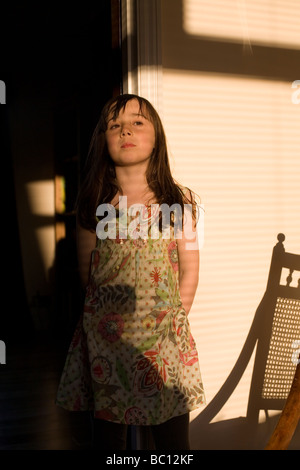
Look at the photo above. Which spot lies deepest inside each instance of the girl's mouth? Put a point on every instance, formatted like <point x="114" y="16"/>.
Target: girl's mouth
<point x="127" y="145"/>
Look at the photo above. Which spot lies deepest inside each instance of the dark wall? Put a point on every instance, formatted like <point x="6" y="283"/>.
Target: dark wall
<point x="53" y="58"/>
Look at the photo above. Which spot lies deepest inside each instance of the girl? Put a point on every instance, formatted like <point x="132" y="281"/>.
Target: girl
<point x="133" y="360"/>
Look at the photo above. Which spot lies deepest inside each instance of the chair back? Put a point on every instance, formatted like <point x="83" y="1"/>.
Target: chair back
<point x="278" y="342"/>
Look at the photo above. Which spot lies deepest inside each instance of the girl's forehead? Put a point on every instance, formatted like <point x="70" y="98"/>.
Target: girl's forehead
<point x="132" y="107"/>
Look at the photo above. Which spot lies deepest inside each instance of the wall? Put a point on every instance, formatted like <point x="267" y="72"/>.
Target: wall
<point x="233" y="134"/>
<point x="52" y="66"/>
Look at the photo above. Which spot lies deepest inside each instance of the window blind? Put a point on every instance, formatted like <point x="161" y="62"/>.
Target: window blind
<point x="235" y="141"/>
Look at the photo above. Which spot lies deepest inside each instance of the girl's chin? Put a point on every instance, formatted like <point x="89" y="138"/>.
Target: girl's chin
<point x="131" y="162"/>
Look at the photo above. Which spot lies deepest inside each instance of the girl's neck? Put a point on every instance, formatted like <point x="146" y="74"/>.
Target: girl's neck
<point x="131" y="180"/>
<point x="134" y="185"/>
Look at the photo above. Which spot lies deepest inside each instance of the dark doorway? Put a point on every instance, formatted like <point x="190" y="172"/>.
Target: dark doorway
<point x="60" y="63"/>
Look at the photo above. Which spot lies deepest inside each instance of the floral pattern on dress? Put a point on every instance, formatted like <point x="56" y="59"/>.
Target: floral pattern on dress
<point x="132" y="358"/>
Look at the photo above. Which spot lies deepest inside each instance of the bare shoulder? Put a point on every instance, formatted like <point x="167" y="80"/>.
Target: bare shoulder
<point x="190" y="196"/>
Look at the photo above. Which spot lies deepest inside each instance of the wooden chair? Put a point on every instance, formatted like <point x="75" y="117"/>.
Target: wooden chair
<point x="289" y="418"/>
<point x="275" y="332"/>
<point x="278" y="342"/>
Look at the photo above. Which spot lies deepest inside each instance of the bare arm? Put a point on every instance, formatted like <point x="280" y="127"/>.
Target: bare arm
<point x="86" y="242"/>
<point x="188" y="264"/>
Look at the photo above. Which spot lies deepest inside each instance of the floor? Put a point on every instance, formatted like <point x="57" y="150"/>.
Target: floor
<point x="29" y="418"/>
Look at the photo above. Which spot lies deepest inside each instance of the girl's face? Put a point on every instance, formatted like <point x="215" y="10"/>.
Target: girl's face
<point x="130" y="137"/>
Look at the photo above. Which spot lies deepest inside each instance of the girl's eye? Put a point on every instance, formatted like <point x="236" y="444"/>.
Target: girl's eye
<point x="117" y="126"/>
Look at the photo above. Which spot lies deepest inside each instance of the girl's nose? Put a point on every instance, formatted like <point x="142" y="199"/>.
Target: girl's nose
<point x="125" y="131"/>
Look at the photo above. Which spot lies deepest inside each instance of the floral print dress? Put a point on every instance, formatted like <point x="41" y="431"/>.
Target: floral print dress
<point x="132" y="358"/>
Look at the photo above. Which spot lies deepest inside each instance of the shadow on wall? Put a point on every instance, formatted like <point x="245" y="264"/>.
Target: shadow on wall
<point x="275" y="332"/>
<point x="40" y="82"/>
<point x="182" y="51"/>
<point x="15" y="319"/>
<point x="199" y="53"/>
<point x="235" y="434"/>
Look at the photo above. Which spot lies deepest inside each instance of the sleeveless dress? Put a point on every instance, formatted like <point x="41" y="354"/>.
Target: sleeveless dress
<point x="133" y="359"/>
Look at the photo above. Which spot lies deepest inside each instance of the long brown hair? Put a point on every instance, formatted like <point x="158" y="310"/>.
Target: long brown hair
<point x="99" y="184"/>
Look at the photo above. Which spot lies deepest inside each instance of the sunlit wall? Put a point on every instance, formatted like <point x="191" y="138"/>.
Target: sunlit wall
<point x="32" y="150"/>
<point x="235" y="140"/>
<point x="265" y="22"/>
<point x="41" y="199"/>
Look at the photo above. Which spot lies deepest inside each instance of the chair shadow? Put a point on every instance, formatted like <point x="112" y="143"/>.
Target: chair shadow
<point x="232" y="433"/>
<point x="235" y="434"/>
<point x="248" y="432"/>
